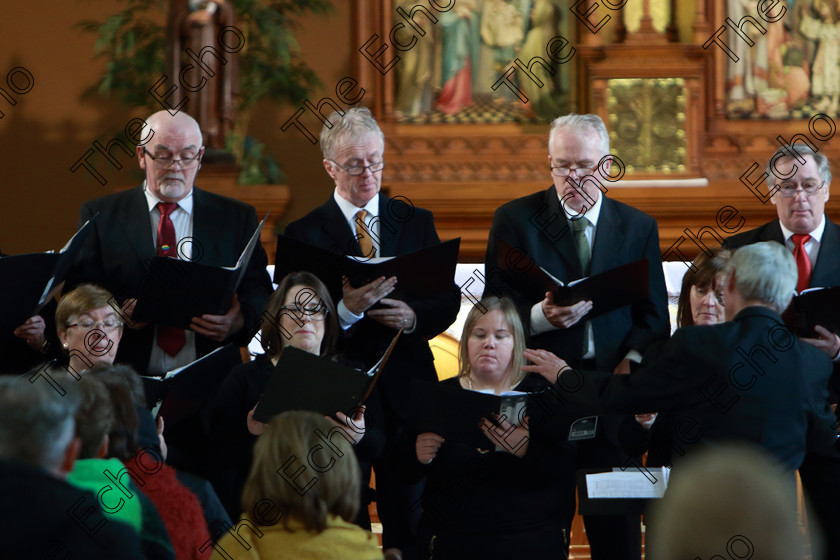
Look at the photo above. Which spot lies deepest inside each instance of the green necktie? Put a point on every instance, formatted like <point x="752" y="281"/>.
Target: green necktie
<point x="582" y="244"/>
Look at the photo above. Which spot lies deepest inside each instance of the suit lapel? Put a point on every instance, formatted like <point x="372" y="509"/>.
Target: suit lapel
<point x="388" y="229"/>
<point x="564" y="255"/>
<point x="609" y="237"/>
<point x="827" y="269"/>
<point x="205" y="230"/>
<point x="136" y="225"/>
<point x="335" y="227"/>
<point x="773" y="232"/>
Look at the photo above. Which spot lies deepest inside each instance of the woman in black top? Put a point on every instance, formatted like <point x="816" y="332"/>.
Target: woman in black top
<point x="516" y="501"/>
<point x="300" y="313"/>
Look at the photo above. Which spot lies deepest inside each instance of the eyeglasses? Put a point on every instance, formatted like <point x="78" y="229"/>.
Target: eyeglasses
<point x="789" y="190"/>
<point x="314" y="312"/>
<point x="357" y="170"/>
<point x="108" y="326"/>
<point x="564" y="171"/>
<point x="167" y="161"/>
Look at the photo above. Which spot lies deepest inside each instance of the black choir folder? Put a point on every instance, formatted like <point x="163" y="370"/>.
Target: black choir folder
<point x="174" y="291"/>
<point x="30" y="280"/>
<point x="426" y="272"/>
<point x="816" y="306"/>
<point x="304" y="381"/>
<point x="454" y="413"/>
<point x="608" y="290"/>
<point x="190" y="389"/>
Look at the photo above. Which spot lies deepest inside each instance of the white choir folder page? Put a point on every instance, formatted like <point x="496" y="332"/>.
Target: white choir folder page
<point x="628" y="483"/>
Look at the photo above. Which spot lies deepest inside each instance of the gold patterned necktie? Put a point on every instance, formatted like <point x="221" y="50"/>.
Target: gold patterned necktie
<point x="363" y="235"/>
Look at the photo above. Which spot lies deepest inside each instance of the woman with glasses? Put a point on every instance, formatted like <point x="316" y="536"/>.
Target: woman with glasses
<point x="88" y="327"/>
<point x="301" y="314"/>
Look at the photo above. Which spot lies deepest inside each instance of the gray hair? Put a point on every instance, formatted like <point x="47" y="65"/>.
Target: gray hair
<point x="802" y="150"/>
<point x="357" y="121"/>
<point x="580" y="123"/>
<point x="36" y="421"/>
<point x="765" y="272"/>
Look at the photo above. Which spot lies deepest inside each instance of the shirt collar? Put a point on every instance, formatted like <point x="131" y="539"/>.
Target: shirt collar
<point x="349" y="210"/>
<point x="185" y="203"/>
<point x="591" y="215"/>
<point x="816" y="235"/>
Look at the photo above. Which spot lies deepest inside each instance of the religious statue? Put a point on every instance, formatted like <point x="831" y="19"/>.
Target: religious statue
<point x="195" y="25"/>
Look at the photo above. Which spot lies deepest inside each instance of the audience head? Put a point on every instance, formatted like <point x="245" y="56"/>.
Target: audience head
<point x="94" y="418"/>
<point x="788" y="177"/>
<point x="730" y="502"/>
<point x="302" y="315"/>
<point x="762" y="273"/>
<point x="170" y="154"/>
<point x="336" y="490"/>
<point x="701" y="297"/>
<point x="88" y="326"/>
<point x="122" y="384"/>
<point x="37" y="423"/>
<point x="578" y="142"/>
<point x="353" y="151"/>
<point x="492" y="342"/>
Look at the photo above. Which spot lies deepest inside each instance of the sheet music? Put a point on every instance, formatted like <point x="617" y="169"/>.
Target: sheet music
<point x="629" y="483"/>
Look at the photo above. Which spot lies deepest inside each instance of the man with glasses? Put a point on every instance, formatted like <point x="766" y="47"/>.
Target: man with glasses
<point x="168" y="216"/>
<point x="572" y="230"/>
<point x="799" y="180"/>
<point x="357" y="220"/>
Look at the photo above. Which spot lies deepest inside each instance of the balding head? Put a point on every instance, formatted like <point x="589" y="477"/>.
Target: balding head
<point x="171" y="138"/>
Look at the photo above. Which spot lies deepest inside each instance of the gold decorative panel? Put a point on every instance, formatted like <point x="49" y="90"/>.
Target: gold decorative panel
<point x="647" y="123"/>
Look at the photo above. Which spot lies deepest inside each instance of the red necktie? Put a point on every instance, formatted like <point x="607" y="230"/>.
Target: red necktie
<point x="803" y="263"/>
<point x="170" y="339"/>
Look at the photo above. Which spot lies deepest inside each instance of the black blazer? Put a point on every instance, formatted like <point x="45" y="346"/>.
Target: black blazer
<point x="537" y="225"/>
<point x="402" y="230"/>
<point x="117" y="252"/>
<point x="826" y="272"/>
<point x="747" y="380"/>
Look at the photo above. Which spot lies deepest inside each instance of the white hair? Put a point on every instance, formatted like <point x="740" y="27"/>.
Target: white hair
<point x="580" y="123"/>
<point x="764" y="272"/>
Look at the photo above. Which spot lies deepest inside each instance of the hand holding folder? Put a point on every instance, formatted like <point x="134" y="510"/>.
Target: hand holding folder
<point x="608" y="290"/>
<point x="304" y="381"/>
<point x="29" y="281"/>
<point x="174" y="291"/>
<point x="464" y="416"/>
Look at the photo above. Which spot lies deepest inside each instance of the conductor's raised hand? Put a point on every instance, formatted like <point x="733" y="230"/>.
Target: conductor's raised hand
<point x="219" y="327"/>
<point x="397" y="314"/>
<point x="545" y="363"/>
<point x="359" y="300"/>
<point x="427" y="446"/>
<point x="561" y="316"/>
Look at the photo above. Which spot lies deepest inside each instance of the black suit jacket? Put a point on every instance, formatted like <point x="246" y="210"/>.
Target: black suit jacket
<point x="746" y="380"/>
<point x="400" y="233"/>
<point x="117" y="253"/>
<point x="53" y="519"/>
<point x="826" y="271"/>
<point x="537" y="225"/>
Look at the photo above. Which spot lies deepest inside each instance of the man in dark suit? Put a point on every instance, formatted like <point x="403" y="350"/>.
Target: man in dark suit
<point x="208" y="228"/>
<point x="607" y="234"/>
<point x="51" y="519"/>
<point x="748" y="379"/>
<point x="358" y="220"/>
<point x="799" y="180"/>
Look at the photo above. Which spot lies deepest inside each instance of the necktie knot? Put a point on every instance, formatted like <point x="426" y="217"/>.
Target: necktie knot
<point x="579" y="225"/>
<point x="800" y="239"/>
<point x="166" y="208"/>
